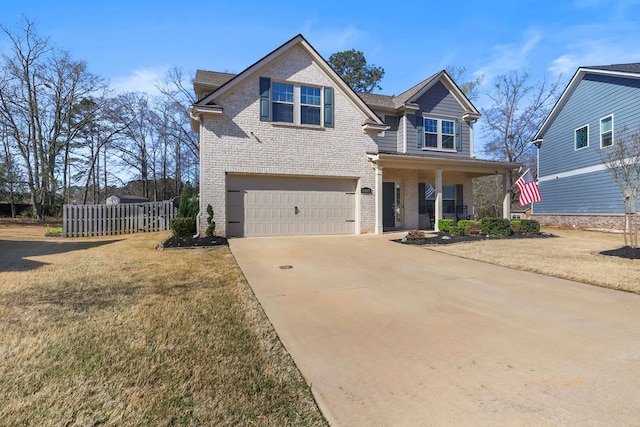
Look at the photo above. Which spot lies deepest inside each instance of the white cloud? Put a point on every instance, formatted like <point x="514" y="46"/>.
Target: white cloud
<point x="512" y="56"/>
<point x="331" y="40"/>
<point x="595" y="52"/>
<point x="142" y="80"/>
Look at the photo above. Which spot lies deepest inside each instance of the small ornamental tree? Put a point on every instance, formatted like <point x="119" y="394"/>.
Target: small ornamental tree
<point x="622" y="158"/>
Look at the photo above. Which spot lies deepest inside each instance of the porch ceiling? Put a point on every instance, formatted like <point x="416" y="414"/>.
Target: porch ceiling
<point x="472" y="167"/>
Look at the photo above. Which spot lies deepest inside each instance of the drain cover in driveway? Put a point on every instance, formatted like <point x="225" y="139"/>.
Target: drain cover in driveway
<point x="286" y="267"/>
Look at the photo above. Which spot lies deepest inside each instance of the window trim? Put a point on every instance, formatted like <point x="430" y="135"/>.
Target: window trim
<point x="612" y="131"/>
<point x="439" y="134"/>
<point x="297" y="104"/>
<point x="575" y="138"/>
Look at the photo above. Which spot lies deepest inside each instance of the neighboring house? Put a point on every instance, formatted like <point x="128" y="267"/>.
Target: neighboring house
<point x="115" y="200"/>
<point x="577" y="188"/>
<point x="286" y="147"/>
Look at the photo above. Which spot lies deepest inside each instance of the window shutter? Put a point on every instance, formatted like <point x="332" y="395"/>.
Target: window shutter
<point x="458" y="135"/>
<point x="422" y="202"/>
<point x="265" y="101"/>
<point x="420" y="132"/>
<point x="328" y="107"/>
<point x="459" y="195"/>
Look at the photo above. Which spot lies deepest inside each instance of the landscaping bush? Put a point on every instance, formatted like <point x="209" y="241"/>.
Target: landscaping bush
<point x="529" y="226"/>
<point x="515" y="225"/>
<point x="456" y="231"/>
<point x="472" y="228"/>
<point x="463" y="223"/>
<point x="189" y="206"/>
<point x="496" y="227"/>
<point x="211" y="228"/>
<point x="445" y="225"/>
<point x="182" y="227"/>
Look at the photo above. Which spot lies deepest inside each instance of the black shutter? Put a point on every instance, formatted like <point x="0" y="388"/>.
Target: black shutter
<point x="420" y="132"/>
<point x="422" y="203"/>
<point x="328" y="107"/>
<point x="458" y="135"/>
<point x="265" y="99"/>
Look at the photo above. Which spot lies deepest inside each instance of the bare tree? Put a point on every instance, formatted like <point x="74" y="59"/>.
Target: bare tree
<point x="519" y="108"/>
<point x="41" y="90"/>
<point x="622" y="159"/>
<point x="468" y="85"/>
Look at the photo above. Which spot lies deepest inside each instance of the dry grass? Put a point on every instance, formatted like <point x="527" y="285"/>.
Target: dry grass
<point x="110" y="331"/>
<point x="574" y="255"/>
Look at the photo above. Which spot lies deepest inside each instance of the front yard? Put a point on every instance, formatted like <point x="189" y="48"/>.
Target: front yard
<point x="111" y="331"/>
<point x="574" y="255"/>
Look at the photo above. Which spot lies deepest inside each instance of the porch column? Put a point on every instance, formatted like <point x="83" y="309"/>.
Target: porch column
<point x="438" y="199"/>
<point x="506" y="202"/>
<point x="378" y="171"/>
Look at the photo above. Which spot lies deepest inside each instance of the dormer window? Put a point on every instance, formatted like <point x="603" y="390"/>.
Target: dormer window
<point x="283" y="102"/>
<point x="439" y="134"/>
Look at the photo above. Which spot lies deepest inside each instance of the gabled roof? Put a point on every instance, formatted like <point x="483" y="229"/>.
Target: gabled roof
<point x="298" y="40"/>
<point x="211" y="80"/>
<point x="631" y="71"/>
<point x="408" y="99"/>
<point x="217" y="82"/>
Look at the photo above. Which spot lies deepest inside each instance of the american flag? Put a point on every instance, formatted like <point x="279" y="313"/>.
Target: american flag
<point x="529" y="191"/>
<point x="429" y="191"/>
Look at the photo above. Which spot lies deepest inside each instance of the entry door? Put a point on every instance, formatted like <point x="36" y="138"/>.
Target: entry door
<point x="391" y="205"/>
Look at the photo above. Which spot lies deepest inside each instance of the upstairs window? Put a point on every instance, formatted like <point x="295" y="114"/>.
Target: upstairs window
<point x="606" y="132"/>
<point x="439" y="134"/>
<point x="284" y="102"/>
<point x="581" y="137"/>
<point x="309" y="105"/>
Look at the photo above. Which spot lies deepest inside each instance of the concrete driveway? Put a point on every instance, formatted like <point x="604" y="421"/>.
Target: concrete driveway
<point x="394" y="335"/>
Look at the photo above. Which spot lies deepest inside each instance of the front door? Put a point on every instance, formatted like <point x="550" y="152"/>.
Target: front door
<point x="391" y="205"/>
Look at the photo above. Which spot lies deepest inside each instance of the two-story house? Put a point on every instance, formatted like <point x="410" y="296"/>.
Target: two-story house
<point x="599" y="104"/>
<point x="287" y="147"/>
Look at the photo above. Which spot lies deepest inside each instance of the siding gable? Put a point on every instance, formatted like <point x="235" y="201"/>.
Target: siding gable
<point x="439" y="103"/>
<point x="595" y="97"/>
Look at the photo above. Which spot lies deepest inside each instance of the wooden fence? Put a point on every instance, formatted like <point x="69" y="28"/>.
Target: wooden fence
<point x="102" y="220"/>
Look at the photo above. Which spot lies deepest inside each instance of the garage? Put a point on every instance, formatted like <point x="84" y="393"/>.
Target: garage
<point x="263" y="205"/>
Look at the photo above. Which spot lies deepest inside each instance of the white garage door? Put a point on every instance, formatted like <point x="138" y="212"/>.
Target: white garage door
<point x="259" y="205"/>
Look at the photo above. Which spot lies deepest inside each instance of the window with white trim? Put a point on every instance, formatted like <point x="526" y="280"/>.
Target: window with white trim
<point x="606" y="131"/>
<point x="282" y="102"/>
<point x="297" y="104"/>
<point x="581" y="137"/>
<point x="439" y="134"/>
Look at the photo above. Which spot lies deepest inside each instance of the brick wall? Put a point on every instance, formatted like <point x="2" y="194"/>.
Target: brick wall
<point x="238" y="142"/>
<point x="605" y="222"/>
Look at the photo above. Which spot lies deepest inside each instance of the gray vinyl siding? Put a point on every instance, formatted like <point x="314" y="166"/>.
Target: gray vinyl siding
<point x="389" y="142"/>
<point x="594" y="98"/>
<point x="439" y="103"/>
<point x="576" y="195"/>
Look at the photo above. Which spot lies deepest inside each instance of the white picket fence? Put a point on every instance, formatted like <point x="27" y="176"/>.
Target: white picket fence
<point x="102" y="220"/>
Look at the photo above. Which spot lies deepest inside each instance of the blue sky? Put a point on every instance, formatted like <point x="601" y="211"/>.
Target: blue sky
<point x="132" y="43"/>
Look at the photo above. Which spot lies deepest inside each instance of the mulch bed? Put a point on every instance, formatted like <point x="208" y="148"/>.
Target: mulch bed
<point x="624" y="252"/>
<point x="192" y="242"/>
<point x="446" y="239"/>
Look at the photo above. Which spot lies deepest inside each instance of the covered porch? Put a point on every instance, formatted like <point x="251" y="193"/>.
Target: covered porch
<point x="414" y="192"/>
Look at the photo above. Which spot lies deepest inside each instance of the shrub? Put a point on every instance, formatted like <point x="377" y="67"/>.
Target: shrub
<point x="456" y="231"/>
<point x="211" y="228"/>
<point x="472" y="227"/>
<point x="496" y="227"/>
<point x="445" y="225"/>
<point x="189" y="206"/>
<point x="515" y="225"/>
<point x="463" y="223"/>
<point x="181" y="226"/>
<point x="529" y="226"/>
